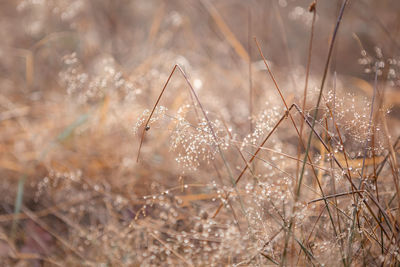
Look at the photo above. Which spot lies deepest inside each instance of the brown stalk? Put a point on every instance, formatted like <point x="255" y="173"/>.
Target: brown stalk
<point x="252" y="158"/>
<point x="146" y="126"/>
<point x="307" y="156"/>
<point x="289" y="114"/>
<point x="312" y="8"/>
<point x="285" y="155"/>
<point x="336" y="195"/>
<point x="310" y="188"/>
<point x="348" y="177"/>
<point x="226" y="31"/>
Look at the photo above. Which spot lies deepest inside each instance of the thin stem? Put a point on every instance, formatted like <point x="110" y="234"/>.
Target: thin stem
<point x="313" y="9"/>
<point x="321" y="90"/>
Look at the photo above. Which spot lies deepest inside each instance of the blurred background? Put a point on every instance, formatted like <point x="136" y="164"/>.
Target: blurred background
<point x="77" y="75"/>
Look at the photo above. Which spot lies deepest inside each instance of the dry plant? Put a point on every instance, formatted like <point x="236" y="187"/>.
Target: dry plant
<point x="199" y="133"/>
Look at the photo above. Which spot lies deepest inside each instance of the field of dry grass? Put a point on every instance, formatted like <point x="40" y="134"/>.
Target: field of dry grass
<point x="199" y="133"/>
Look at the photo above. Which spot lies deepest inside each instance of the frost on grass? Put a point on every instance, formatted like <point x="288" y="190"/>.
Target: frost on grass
<point x="264" y="122"/>
<point x="197" y="143"/>
<point x="159" y="114"/>
<point x="352" y="116"/>
<point x="93" y="86"/>
<point x="192" y="142"/>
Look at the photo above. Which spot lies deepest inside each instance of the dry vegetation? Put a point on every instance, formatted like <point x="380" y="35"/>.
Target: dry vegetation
<point x="222" y="176"/>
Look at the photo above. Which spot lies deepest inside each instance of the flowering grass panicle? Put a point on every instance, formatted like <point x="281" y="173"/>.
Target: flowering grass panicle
<point x="154" y="133"/>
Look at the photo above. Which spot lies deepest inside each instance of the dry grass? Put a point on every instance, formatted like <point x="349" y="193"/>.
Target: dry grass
<point x="161" y="133"/>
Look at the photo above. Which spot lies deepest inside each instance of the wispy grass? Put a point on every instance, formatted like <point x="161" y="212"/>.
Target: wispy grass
<point x="272" y="145"/>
